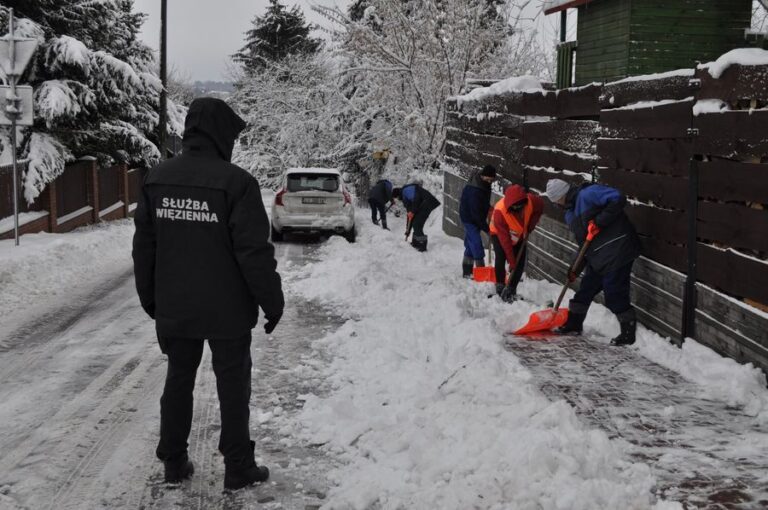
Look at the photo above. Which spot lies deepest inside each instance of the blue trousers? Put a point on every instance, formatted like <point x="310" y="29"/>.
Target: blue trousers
<point x="615" y="287"/>
<point x="473" y="242"/>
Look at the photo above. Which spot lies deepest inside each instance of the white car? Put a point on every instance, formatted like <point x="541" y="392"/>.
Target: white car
<point x="313" y="200"/>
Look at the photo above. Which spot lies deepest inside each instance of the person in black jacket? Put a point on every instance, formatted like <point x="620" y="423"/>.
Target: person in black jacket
<point x="378" y="196"/>
<point x="203" y="267"/>
<point x="419" y="204"/>
<point x="609" y="259"/>
<point x="474" y="207"/>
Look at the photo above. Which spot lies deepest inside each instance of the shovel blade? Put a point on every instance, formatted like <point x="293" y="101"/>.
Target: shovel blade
<point x="484" y="274"/>
<point x="544" y="320"/>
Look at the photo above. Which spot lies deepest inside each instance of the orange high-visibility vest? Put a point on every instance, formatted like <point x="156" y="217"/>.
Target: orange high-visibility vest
<point x="516" y="229"/>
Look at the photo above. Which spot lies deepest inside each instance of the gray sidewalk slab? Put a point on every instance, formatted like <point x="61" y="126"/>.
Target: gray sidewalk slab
<point x="704" y="453"/>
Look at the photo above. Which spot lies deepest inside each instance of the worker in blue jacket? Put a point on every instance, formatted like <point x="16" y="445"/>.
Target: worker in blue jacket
<point x="473" y="211"/>
<point x="378" y="197"/>
<point x="419" y="204"/>
<point x="609" y="259"/>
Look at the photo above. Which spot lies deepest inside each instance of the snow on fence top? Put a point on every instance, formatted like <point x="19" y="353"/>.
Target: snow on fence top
<point x="526" y="83"/>
<point x="740" y="56"/>
<point x="656" y="76"/>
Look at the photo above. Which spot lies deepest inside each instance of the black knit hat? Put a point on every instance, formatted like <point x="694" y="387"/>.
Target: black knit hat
<point x="488" y="171"/>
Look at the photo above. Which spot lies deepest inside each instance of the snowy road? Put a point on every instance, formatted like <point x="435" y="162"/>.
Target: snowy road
<point x="80" y="389"/>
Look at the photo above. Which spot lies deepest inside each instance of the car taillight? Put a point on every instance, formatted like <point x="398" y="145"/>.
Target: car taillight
<point x="279" y="197"/>
<point x="347" y="198"/>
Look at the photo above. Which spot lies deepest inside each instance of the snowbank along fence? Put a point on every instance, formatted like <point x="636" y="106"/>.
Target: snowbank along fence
<point x="84" y="193"/>
<point x="689" y="149"/>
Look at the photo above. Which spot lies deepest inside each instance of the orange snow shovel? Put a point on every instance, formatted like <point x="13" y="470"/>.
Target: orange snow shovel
<point x="551" y="318"/>
<point x="486" y="273"/>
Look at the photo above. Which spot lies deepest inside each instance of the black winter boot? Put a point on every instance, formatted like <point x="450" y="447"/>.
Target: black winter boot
<point x="384" y="225"/>
<point x="500" y="289"/>
<point x="628" y="324"/>
<point x="466" y="268"/>
<point x="419" y="242"/>
<point x="242" y="474"/>
<point x="178" y="470"/>
<point x="574" y="325"/>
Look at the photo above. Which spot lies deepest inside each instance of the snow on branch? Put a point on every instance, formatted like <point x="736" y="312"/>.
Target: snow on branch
<point x="46" y="159"/>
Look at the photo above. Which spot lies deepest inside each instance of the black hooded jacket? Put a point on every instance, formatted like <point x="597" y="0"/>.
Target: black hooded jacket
<point x="202" y="259"/>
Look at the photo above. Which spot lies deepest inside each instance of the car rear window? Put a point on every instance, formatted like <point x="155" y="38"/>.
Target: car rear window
<point x="313" y="182"/>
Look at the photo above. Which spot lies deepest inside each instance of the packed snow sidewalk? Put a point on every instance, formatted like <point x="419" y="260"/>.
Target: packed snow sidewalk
<point x="433" y="407"/>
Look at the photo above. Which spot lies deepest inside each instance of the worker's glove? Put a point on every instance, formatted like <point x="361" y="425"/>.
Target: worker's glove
<point x="508" y="295"/>
<point x="572" y="276"/>
<point x="592" y="230"/>
<point x="271" y="323"/>
<point x="410" y="216"/>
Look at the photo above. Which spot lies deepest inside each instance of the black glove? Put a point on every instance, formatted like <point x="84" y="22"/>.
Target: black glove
<point x="271" y="323"/>
<point x="508" y="294"/>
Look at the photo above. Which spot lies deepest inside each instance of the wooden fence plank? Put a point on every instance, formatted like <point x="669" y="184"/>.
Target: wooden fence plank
<point x="505" y="167"/>
<point x="734" y="134"/>
<point x="733" y="273"/>
<point x="503" y="147"/>
<point x="736" y="316"/>
<point x="560" y="160"/>
<point x="733" y="181"/>
<point x="567" y="135"/>
<point x="670" y="120"/>
<point x="579" y="102"/>
<point x="735" y="225"/>
<point x="626" y="92"/>
<point x="661" y="190"/>
<point x="502" y="124"/>
<point x="736" y="83"/>
<point x="671" y="156"/>
<point x="670" y="226"/>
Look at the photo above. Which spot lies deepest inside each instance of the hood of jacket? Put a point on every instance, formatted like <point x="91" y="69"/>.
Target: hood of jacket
<point x="212" y="126"/>
<point x="514" y="194"/>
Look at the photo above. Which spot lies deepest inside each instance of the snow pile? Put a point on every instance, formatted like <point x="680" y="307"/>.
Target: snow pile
<point x="45" y="267"/>
<point x="709" y="106"/>
<point x="428" y="409"/>
<point x="515" y="84"/>
<point x="740" y="56"/>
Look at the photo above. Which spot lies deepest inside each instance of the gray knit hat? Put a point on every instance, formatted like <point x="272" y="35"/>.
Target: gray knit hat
<point x="557" y="189"/>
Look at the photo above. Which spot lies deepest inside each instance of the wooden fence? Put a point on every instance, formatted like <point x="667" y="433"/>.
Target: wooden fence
<point x="84" y="193"/>
<point x="690" y="152"/>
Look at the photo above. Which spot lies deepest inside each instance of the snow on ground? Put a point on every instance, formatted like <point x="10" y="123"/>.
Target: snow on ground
<point x="428" y="410"/>
<point x="44" y="268"/>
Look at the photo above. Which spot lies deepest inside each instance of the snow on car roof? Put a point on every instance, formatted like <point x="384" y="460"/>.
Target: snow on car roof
<point x="313" y="171"/>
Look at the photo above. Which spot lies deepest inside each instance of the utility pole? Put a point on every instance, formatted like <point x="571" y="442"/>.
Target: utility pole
<point x="163" y="135"/>
<point x="15" y="54"/>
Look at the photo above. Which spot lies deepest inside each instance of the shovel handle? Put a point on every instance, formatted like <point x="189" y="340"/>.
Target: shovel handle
<point x="576" y="264"/>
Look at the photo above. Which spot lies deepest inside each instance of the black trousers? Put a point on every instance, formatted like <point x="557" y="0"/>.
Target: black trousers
<point x="614" y="285"/>
<point x="232" y="365"/>
<point x="500" y="263"/>
<point x="420" y="218"/>
<point x="381" y="209"/>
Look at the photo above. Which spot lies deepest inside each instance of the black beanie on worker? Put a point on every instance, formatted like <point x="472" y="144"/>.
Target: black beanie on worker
<point x="488" y="171"/>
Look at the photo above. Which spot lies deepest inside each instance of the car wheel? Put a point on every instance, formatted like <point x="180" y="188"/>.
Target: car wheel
<point x="277" y="237"/>
<point x="351" y="235"/>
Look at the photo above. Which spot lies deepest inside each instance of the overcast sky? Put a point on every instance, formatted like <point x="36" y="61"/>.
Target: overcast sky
<point x="202" y="34"/>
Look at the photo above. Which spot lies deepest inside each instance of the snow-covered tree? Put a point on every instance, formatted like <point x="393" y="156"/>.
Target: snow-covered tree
<point x="280" y="32"/>
<point x="297" y="116"/>
<point x="403" y="58"/>
<point x="96" y="88"/>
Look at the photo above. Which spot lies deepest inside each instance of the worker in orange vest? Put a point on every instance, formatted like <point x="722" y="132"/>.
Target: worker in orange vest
<point x="514" y="218"/>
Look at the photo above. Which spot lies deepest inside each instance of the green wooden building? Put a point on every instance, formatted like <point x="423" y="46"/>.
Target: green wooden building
<point x="620" y="38"/>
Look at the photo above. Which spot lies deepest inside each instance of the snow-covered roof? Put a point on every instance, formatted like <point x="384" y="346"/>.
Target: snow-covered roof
<point x="313" y="171"/>
<point x="740" y="56"/>
<point x="552" y="6"/>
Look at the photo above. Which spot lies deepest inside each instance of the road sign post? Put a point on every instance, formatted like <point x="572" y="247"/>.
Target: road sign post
<point x="15" y="55"/>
